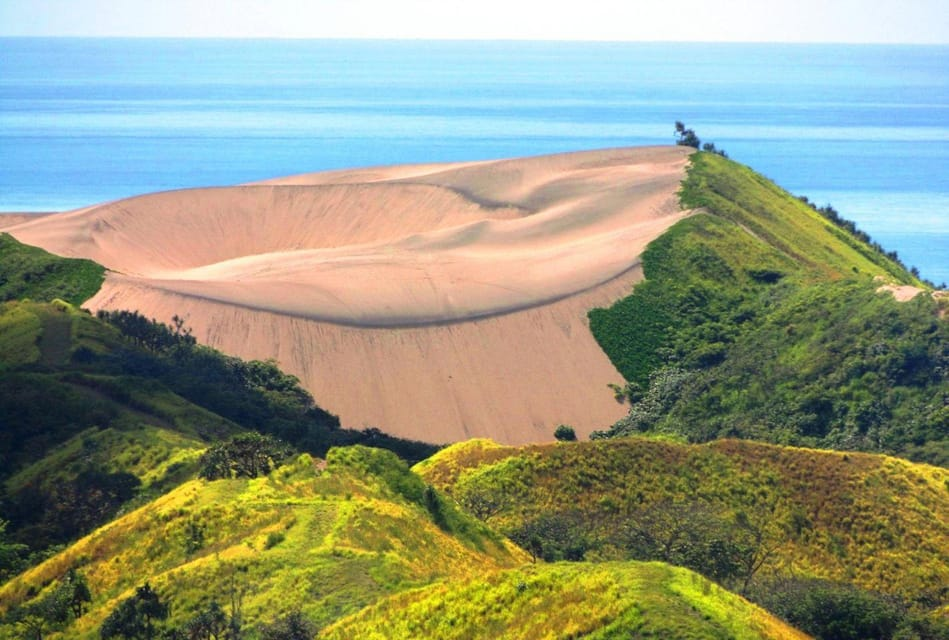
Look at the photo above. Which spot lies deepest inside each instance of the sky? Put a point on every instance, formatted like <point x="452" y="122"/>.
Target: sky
<point x="874" y="21"/>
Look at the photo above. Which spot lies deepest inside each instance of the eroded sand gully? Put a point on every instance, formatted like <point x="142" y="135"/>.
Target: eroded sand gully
<point x="438" y="302"/>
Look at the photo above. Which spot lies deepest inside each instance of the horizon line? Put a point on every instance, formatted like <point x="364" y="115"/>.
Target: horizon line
<point x="473" y="39"/>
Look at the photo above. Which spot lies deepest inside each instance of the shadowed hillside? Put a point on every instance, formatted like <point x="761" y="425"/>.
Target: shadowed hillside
<point x="96" y="414"/>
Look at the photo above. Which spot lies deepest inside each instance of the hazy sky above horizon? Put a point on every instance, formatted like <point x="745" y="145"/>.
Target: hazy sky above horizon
<point x="883" y="21"/>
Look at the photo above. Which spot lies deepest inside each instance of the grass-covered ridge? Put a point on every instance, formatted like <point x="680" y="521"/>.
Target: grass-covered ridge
<point x="760" y="318"/>
<point x="31" y="272"/>
<point x="786" y="224"/>
<point x="581" y="600"/>
<point x="326" y="539"/>
<point x="879" y="523"/>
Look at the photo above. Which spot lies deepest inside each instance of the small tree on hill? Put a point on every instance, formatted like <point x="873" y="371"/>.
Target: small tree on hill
<point x="686" y="137"/>
<point x="293" y="626"/>
<point x="11" y="554"/>
<point x="209" y="624"/>
<point x="246" y="456"/>
<point x="135" y="617"/>
<point x="481" y="502"/>
<point x="565" y="433"/>
<point x="711" y="148"/>
<point x="76" y="592"/>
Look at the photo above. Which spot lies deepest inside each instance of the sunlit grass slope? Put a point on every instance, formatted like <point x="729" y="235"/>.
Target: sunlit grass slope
<point x="760" y="318"/>
<point x="576" y="600"/>
<point x="31" y="272"/>
<point x="880" y="523"/>
<point x="325" y="539"/>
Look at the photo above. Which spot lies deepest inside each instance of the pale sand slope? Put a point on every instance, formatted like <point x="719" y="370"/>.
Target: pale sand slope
<point x="437" y="302"/>
<point x="15" y="218"/>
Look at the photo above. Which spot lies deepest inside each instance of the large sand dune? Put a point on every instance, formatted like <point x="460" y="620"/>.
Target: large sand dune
<point x="437" y="302"/>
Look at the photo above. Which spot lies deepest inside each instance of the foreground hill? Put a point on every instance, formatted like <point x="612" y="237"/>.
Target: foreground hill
<point x="577" y="600"/>
<point x="436" y="302"/>
<point x="324" y="539"/>
<point x="739" y="512"/>
<point x="356" y="546"/>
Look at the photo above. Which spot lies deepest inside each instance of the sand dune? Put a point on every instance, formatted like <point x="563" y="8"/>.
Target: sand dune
<point x="438" y="302"/>
<point x="12" y="219"/>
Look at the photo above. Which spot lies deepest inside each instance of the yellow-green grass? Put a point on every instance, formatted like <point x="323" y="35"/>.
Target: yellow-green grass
<point x="567" y="600"/>
<point x="879" y="522"/>
<point x="325" y="538"/>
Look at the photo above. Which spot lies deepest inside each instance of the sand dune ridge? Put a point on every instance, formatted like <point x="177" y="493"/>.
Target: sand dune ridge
<point x="399" y="279"/>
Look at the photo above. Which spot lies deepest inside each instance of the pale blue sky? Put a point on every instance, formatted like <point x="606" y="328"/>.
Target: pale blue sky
<point x="888" y="21"/>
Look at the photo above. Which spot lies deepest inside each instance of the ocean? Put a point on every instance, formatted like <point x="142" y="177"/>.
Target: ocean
<point x="862" y="127"/>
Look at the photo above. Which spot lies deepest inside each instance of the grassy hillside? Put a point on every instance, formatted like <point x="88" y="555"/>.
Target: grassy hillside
<point x="30" y="272"/>
<point x="323" y="538"/>
<point x="739" y="512"/>
<point x="94" y="417"/>
<point x="760" y="318"/>
<point x="581" y="600"/>
<point x="79" y="440"/>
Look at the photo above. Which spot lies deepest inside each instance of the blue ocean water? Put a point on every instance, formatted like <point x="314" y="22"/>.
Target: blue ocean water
<point x="864" y="128"/>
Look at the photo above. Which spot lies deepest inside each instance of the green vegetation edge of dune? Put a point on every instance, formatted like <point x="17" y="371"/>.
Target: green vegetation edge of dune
<point x="31" y="273"/>
<point x="761" y="318"/>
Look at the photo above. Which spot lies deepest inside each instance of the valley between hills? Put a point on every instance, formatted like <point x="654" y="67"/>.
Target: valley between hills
<point x="325" y="405"/>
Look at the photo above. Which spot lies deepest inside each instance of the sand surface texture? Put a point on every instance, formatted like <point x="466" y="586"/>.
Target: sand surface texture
<point x="437" y="302"/>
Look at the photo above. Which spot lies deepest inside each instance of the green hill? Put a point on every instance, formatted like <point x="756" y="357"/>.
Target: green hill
<point x="744" y="514"/>
<point x="31" y="272"/>
<point x="576" y="600"/>
<point x="760" y="318"/>
<point x="325" y="539"/>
